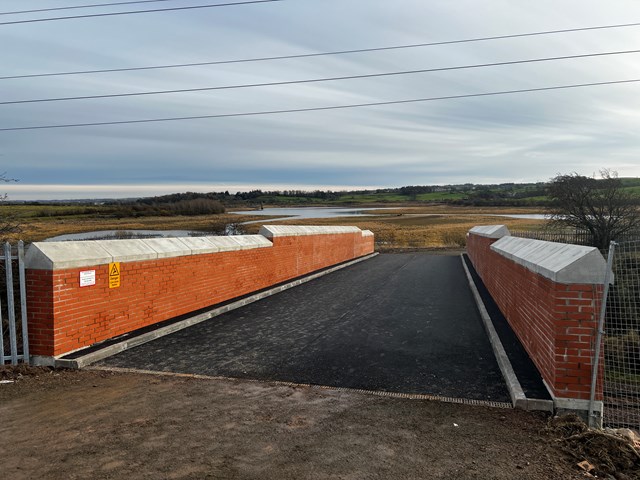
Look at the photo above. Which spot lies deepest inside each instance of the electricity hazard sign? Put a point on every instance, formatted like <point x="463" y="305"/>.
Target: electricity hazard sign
<point x="114" y="275"/>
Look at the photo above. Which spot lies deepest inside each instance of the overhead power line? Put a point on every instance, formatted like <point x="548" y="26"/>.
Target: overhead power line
<point x="132" y="12"/>
<point x="317" y="109"/>
<point x="315" y="80"/>
<point x="38" y="10"/>
<point x="319" y="54"/>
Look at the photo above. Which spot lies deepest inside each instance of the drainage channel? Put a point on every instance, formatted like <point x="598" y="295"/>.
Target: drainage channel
<point x="377" y="393"/>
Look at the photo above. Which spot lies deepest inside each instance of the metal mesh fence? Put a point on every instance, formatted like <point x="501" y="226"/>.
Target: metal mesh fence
<point x="621" y="387"/>
<point x="14" y="345"/>
<point x="575" y="237"/>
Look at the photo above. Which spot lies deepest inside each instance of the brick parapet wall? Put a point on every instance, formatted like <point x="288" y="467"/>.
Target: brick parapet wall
<point x="64" y="316"/>
<point x="556" y="322"/>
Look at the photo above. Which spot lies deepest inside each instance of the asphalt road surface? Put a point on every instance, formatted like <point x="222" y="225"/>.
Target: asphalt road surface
<point x="398" y="322"/>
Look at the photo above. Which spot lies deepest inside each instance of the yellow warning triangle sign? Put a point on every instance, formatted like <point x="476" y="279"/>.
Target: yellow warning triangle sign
<point x="114" y="272"/>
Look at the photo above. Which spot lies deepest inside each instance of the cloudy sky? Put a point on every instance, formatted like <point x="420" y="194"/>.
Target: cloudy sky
<point x="519" y="137"/>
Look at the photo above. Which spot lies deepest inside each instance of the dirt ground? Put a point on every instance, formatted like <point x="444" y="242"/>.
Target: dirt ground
<point x="106" y="425"/>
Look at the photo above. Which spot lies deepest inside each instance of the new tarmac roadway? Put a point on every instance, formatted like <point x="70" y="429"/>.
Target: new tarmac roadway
<point x="405" y="323"/>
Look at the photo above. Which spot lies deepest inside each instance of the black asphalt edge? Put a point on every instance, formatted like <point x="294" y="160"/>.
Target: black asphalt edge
<point x="94" y="353"/>
<point x="377" y="393"/>
<point x="518" y="397"/>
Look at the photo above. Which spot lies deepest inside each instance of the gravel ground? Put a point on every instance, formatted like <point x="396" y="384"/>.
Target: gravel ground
<point x="99" y="424"/>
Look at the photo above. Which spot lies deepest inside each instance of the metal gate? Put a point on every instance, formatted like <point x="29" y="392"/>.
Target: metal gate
<point x="14" y="338"/>
<point x="621" y="341"/>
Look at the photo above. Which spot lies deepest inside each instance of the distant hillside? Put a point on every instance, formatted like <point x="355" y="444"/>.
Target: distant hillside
<point x="504" y="194"/>
<point x="469" y="194"/>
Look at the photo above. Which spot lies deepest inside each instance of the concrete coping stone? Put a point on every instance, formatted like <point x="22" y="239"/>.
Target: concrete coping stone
<point x="59" y="255"/>
<point x="200" y="245"/>
<point x="490" y="231"/>
<point x="272" y="231"/>
<point x="126" y="250"/>
<point x="239" y="242"/>
<point x="168" y="247"/>
<point x="87" y="253"/>
<point x="367" y="233"/>
<point x="559" y="262"/>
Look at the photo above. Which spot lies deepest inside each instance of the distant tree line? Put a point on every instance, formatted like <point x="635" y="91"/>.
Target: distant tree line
<point x="467" y="194"/>
<point x="175" y="198"/>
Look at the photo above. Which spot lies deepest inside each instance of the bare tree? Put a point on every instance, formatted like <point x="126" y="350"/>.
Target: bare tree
<point x="8" y="222"/>
<point x="599" y="206"/>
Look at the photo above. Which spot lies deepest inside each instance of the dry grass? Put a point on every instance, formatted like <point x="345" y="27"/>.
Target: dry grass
<point x="458" y="210"/>
<point x="432" y="231"/>
<point x="41" y="229"/>
<point x="434" y="227"/>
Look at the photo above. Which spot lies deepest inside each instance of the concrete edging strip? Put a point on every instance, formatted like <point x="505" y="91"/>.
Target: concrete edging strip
<point x="518" y="397"/>
<point x="125" y="344"/>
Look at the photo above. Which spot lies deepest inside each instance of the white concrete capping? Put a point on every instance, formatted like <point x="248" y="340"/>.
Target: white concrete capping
<point x="239" y="242"/>
<point x="129" y="250"/>
<point x="224" y="244"/>
<point x="168" y="247"/>
<point x="60" y="255"/>
<point x="367" y="233"/>
<point x="272" y="231"/>
<point x="87" y="253"/>
<point x="559" y="262"/>
<point x="200" y="245"/>
<point x="491" y="231"/>
<point x="247" y="242"/>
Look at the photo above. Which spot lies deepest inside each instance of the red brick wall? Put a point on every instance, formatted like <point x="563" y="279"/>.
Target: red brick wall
<point x="555" y="322"/>
<point x="64" y="317"/>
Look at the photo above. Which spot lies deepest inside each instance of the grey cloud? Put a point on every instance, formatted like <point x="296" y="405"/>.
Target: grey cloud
<point x="517" y="137"/>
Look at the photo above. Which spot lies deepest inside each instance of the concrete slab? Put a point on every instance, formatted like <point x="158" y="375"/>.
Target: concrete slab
<point x="491" y="231"/>
<point x="200" y="245"/>
<point x="247" y="242"/>
<point x="231" y="243"/>
<point x="127" y="250"/>
<point x="559" y="262"/>
<point x="168" y="247"/>
<point x="272" y="231"/>
<point x="60" y="255"/>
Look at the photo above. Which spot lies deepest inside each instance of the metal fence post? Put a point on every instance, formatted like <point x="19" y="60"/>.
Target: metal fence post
<point x="23" y="303"/>
<point x="11" y="304"/>
<point x="596" y="354"/>
<point x="2" y="355"/>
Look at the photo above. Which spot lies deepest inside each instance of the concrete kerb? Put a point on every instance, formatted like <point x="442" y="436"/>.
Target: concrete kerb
<point x="127" y="343"/>
<point x="518" y="397"/>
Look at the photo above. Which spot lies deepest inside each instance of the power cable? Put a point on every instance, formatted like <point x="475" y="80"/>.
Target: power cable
<point x="131" y="12"/>
<point x="316" y="109"/>
<point x="319" y="54"/>
<point x="315" y="80"/>
<point x="38" y="10"/>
